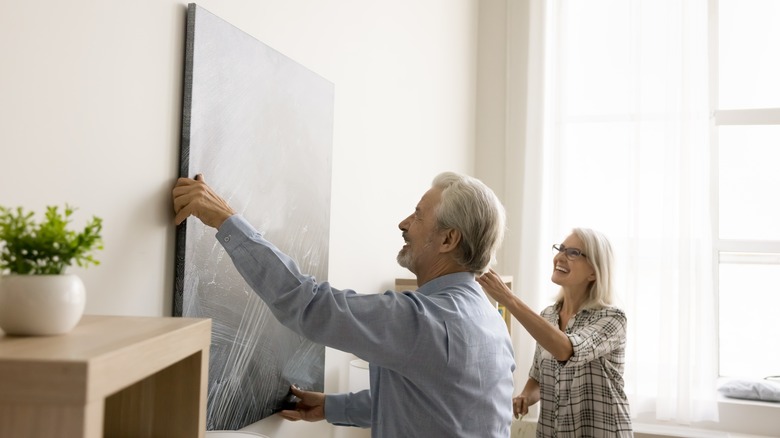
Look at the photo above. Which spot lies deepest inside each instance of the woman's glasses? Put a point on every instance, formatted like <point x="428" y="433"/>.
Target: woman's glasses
<point x="571" y="253"/>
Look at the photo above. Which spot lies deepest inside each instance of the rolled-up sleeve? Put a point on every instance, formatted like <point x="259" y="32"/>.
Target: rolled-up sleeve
<point x="605" y="333"/>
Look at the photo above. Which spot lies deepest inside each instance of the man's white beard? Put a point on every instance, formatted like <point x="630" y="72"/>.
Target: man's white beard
<point x="404" y="258"/>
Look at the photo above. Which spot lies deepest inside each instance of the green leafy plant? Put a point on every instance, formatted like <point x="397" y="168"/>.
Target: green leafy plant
<point x="48" y="247"/>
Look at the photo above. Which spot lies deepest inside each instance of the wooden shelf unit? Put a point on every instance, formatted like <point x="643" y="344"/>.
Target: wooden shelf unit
<point x="112" y="376"/>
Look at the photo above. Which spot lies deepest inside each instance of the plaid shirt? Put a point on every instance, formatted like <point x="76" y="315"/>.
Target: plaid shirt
<point x="583" y="397"/>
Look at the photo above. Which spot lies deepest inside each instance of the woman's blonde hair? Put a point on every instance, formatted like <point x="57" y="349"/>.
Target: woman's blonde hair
<point x="598" y="252"/>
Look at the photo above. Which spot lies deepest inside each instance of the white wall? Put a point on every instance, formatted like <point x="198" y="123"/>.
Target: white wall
<point x="90" y="107"/>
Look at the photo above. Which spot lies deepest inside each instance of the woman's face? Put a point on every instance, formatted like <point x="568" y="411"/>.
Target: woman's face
<point x="571" y="268"/>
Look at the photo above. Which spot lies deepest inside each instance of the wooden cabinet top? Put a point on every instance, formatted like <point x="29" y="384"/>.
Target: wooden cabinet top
<point x="100" y="356"/>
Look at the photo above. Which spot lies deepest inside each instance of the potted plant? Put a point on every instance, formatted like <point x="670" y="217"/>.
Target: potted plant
<point x="37" y="296"/>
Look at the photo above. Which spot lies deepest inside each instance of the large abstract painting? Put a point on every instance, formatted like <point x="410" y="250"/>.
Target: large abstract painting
<point x="259" y="127"/>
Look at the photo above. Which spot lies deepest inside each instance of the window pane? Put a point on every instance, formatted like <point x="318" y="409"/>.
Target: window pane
<point x="594" y="175"/>
<point x="748" y="60"/>
<point x="749" y="299"/>
<point x="748" y="182"/>
<point x="594" y="75"/>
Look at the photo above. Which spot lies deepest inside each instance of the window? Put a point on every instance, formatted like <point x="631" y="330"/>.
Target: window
<point x="662" y="130"/>
<point x="747" y="137"/>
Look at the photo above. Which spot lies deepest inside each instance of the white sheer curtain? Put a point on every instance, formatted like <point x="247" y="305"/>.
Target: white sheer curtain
<point x="624" y="148"/>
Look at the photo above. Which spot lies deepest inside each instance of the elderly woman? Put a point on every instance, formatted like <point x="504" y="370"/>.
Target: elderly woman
<point x="577" y="371"/>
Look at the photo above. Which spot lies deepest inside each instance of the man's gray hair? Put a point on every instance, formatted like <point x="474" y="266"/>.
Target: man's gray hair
<point x="471" y="207"/>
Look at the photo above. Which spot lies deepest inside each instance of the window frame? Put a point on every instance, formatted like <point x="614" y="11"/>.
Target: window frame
<point x="739" y="251"/>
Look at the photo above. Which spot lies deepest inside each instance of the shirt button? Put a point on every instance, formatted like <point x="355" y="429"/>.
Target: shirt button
<point x="226" y="239"/>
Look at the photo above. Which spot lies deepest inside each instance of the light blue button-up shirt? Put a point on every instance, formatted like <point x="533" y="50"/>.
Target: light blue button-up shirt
<point x="441" y="359"/>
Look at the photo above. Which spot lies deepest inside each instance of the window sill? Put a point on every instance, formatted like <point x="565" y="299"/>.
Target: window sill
<point x="737" y="418"/>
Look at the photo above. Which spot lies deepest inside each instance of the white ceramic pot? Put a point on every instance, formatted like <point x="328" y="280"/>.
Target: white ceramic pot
<point x="40" y="305"/>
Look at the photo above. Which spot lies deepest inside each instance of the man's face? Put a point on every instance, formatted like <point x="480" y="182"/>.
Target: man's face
<point x="419" y="231"/>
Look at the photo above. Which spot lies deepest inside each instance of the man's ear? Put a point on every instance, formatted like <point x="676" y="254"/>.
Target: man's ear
<point x="450" y="240"/>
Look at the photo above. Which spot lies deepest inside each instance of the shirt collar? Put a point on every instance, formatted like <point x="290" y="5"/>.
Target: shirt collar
<point x="445" y="281"/>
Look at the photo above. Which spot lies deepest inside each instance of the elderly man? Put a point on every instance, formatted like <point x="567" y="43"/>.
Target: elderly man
<point x="441" y="360"/>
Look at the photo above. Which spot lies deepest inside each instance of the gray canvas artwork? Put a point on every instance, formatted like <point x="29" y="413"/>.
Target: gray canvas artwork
<point x="259" y="127"/>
